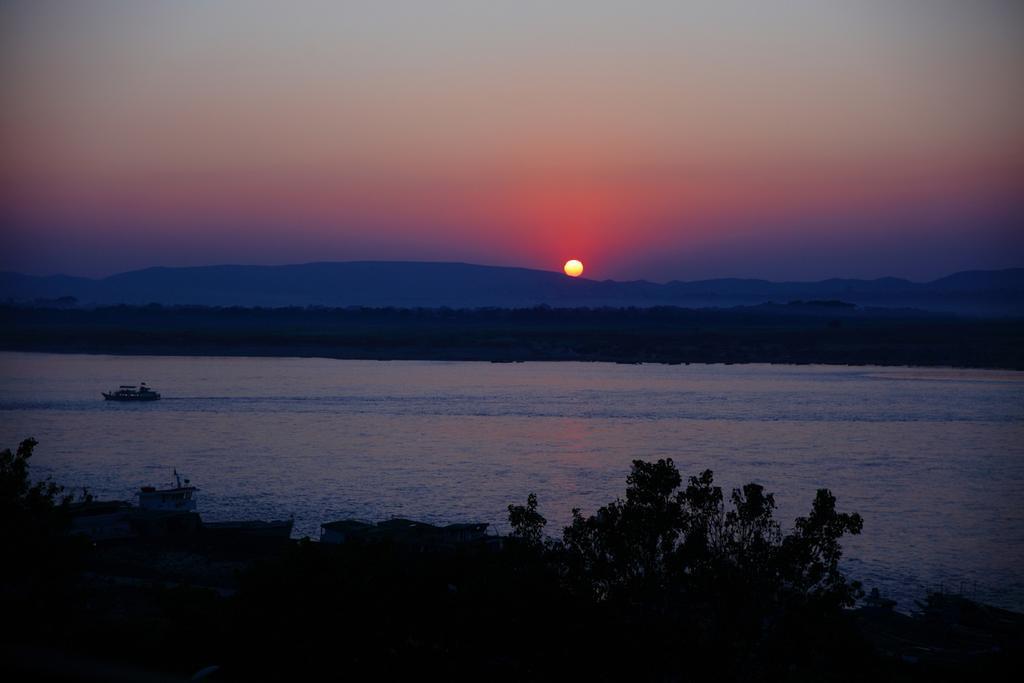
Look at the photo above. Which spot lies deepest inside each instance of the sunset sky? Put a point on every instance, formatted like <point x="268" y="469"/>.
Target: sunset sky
<point x="654" y="140"/>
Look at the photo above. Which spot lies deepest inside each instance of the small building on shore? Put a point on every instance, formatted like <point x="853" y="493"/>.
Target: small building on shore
<point x="342" y="531"/>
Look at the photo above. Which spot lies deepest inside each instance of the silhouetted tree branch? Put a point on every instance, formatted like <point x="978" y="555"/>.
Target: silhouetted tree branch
<point x="527" y="523"/>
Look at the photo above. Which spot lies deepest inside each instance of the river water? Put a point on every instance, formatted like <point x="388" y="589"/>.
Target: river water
<point x="933" y="459"/>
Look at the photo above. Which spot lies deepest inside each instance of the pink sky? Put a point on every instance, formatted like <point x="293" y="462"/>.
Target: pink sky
<point x="804" y="140"/>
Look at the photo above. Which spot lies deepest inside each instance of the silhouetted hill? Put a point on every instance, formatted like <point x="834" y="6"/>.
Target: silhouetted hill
<point x="463" y="285"/>
<point x="981" y="280"/>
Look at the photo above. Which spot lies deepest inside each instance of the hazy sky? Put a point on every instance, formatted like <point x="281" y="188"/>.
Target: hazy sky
<point x="653" y="140"/>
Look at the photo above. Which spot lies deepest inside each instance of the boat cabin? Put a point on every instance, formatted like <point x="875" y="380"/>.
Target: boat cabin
<point x="178" y="498"/>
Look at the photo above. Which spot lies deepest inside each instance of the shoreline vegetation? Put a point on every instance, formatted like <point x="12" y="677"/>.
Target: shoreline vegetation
<point x="677" y="580"/>
<point x="799" y="332"/>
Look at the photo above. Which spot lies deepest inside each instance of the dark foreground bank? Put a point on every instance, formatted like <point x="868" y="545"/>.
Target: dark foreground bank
<point x="676" y="581"/>
<point x="829" y="332"/>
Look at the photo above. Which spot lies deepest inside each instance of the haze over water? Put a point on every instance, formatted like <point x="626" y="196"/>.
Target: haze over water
<point x="932" y="458"/>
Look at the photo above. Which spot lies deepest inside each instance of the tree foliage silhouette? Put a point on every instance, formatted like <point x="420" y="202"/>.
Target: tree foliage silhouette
<point x="40" y="558"/>
<point x="527" y="524"/>
<point x="663" y="538"/>
<point x="29" y="510"/>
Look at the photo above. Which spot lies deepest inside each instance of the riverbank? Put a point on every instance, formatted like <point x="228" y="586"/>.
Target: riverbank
<point x="165" y="612"/>
<point x="799" y="333"/>
<point x="672" y="581"/>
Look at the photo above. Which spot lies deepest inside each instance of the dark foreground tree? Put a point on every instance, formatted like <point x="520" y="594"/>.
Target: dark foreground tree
<point x="663" y="537"/>
<point x="527" y="524"/>
<point x="723" y="577"/>
<point x="34" y="520"/>
<point x="41" y="560"/>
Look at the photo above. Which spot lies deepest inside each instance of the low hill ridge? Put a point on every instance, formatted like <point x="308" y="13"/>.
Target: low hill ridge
<point x="466" y="285"/>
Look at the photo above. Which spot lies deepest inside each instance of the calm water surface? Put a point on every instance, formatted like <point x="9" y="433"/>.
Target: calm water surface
<point x="932" y="458"/>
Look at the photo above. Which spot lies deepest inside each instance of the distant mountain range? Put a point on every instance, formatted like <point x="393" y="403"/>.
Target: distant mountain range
<point x="463" y="285"/>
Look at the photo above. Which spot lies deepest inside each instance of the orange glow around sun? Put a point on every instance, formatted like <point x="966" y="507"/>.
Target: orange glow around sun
<point x="573" y="268"/>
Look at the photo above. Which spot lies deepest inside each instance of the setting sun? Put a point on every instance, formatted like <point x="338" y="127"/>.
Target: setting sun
<point x="573" y="268"/>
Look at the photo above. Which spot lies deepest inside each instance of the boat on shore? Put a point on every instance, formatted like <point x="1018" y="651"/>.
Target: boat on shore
<point x="168" y="513"/>
<point x="162" y="515"/>
<point x="179" y="497"/>
<point x="129" y="392"/>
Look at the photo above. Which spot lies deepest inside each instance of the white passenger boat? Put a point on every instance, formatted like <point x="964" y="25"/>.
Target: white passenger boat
<point x="177" y="498"/>
<point x="129" y="392"/>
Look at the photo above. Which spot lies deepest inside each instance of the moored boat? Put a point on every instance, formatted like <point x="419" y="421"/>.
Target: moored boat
<point x="177" y="498"/>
